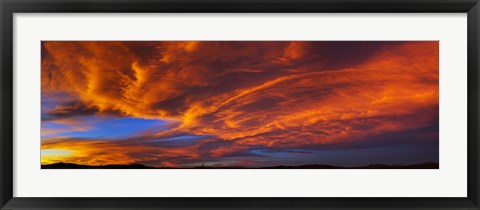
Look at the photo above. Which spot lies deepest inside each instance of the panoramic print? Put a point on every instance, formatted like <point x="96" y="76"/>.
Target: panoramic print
<point x="239" y="105"/>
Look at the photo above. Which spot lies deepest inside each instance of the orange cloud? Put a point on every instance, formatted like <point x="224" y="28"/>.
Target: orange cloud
<point x="105" y="152"/>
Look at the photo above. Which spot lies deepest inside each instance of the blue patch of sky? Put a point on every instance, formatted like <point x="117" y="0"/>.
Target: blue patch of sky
<point x="107" y="128"/>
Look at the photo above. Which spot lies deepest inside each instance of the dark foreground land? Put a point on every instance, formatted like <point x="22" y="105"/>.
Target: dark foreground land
<point x="428" y="165"/>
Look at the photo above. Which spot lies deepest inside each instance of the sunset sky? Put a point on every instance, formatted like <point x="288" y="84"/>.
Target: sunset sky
<point x="239" y="103"/>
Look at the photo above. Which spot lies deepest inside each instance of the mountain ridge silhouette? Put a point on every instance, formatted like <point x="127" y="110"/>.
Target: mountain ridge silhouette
<point x="424" y="165"/>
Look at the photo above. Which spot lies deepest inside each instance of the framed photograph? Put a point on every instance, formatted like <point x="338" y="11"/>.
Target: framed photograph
<point x="268" y="104"/>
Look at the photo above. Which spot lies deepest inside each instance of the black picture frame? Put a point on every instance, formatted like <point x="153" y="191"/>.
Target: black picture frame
<point x="9" y="7"/>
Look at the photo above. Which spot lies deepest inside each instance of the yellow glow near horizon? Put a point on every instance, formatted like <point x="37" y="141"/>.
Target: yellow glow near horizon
<point x="54" y="155"/>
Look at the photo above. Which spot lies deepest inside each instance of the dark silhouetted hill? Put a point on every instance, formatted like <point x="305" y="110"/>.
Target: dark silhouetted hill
<point x="427" y="165"/>
<point x="78" y="166"/>
<point x="312" y="166"/>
